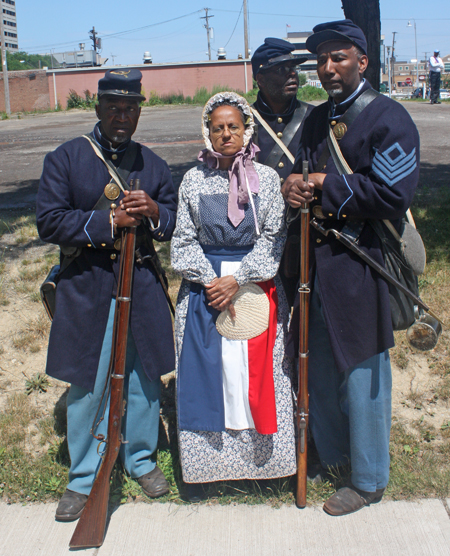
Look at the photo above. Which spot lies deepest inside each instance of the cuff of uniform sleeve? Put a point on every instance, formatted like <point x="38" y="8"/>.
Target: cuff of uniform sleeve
<point x="336" y="193"/>
<point x="159" y="231"/>
<point x="98" y="229"/>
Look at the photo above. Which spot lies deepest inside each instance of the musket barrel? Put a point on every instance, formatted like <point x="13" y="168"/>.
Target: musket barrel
<point x="302" y="395"/>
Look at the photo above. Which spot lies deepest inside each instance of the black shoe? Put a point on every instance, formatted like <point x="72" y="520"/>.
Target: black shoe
<point x="70" y="506"/>
<point x="195" y="492"/>
<point x="350" y="499"/>
<point x="154" y="484"/>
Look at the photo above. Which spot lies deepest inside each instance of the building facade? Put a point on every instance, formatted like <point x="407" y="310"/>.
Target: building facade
<point x="10" y="25"/>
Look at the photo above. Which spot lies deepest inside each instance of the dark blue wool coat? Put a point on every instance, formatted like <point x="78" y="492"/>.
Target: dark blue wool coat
<point x="265" y="141"/>
<point x="382" y="148"/>
<point x="72" y="182"/>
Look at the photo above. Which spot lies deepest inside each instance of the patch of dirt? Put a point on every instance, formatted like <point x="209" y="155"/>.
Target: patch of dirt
<point x="24" y="318"/>
<point x="414" y="397"/>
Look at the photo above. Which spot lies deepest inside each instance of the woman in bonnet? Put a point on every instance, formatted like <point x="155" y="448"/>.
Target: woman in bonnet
<point x="234" y="401"/>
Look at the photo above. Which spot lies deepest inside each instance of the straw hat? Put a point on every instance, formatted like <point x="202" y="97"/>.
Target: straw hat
<point x="252" y="314"/>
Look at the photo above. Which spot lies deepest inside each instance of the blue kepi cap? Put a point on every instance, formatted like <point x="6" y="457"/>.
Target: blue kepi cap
<point x="343" y="30"/>
<point x="121" y="82"/>
<point x="272" y="52"/>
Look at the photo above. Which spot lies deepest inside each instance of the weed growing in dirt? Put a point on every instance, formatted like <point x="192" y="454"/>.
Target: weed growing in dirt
<point x="37" y="383"/>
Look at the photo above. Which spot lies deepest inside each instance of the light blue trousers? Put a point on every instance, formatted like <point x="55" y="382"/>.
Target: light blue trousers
<point x="139" y="425"/>
<point x="350" y="412"/>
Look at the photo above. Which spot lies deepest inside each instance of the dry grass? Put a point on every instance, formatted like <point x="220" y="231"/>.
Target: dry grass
<point x="33" y="334"/>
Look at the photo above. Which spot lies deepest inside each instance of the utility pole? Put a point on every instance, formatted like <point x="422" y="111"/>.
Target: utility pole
<point x="208" y="29"/>
<point x="393" y="57"/>
<point x="388" y="48"/>
<point x="92" y="36"/>
<point x="246" y="30"/>
<point x="5" y="72"/>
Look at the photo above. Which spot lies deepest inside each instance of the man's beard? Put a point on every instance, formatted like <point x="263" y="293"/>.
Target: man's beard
<point x="335" y="92"/>
<point x="119" y="139"/>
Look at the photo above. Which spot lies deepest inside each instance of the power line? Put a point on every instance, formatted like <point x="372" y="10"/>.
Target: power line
<point x="54" y="45"/>
<point x="237" y="21"/>
<point x="321" y="16"/>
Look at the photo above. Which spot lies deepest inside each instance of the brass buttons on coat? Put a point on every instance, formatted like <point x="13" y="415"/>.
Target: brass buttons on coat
<point x="280" y="120"/>
<point x="113" y="256"/>
<point x="114" y="157"/>
<point x="281" y="165"/>
<point x="279" y="135"/>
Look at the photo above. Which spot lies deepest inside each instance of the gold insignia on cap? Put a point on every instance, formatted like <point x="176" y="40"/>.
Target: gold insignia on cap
<point x="124" y="92"/>
<point x="318" y="213"/>
<point x="121" y="72"/>
<point x="112" y="191"/>
<point x="340" y="130"/>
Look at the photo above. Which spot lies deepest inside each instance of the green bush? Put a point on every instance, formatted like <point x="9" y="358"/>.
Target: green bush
<point x="308" y="92"/>
<point x="74" y="100"/>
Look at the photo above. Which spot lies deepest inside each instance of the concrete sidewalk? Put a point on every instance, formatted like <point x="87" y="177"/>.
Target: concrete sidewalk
<point x="386" y="529"/>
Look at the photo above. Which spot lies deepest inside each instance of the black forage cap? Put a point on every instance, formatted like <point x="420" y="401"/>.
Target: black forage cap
<point x="343" y="30"/>
<point x="121" y="82"/>
<point x="273" y="52"/>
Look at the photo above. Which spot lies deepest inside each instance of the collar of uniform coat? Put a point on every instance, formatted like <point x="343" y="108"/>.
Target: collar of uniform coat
<point x="338" y="110"/>
<point x="265" y="110"/>
<point x="106" y="144"/>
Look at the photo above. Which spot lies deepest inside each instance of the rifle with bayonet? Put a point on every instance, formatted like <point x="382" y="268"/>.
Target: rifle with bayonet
<point x="302" y="394"/>
<point x="90" y="530"/>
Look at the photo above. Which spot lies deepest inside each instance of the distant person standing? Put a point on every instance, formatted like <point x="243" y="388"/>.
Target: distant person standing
<point x="435" y="65"/>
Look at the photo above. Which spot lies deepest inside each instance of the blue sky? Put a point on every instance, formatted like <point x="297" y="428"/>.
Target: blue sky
<point x="61" y="25"/>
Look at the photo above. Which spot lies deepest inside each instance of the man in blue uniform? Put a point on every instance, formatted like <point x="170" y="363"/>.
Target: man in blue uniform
<point x="82" y="209"/>
<point x="350" y="323"/>
<point x="275" y="70"/>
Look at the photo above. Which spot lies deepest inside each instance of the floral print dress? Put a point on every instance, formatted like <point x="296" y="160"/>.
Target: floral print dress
<point x="201" y="222"/>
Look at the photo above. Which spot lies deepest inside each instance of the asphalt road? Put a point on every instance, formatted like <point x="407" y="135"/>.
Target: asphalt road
<point x="173" y="132"/>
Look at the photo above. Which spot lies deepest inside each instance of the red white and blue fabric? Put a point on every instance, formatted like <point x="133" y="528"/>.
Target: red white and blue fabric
<point x="226" y="384"/>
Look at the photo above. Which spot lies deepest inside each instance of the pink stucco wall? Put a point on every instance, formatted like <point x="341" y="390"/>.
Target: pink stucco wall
<point x="162" y="79"/>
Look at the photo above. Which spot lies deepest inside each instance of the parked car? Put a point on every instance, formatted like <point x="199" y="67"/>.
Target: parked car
<point x="444" y="93"/>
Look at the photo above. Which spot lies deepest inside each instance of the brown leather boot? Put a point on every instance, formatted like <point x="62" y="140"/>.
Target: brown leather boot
<point x="350" y="499"/>
<point x="154" y="484"/>
<point x="70" y="506"/>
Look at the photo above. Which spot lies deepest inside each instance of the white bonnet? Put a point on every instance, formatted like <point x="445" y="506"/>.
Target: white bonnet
<point x="235" y="100"/>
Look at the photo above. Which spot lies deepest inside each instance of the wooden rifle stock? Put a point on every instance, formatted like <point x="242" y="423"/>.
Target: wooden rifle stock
<point x="302" y="394"/>
<point x="90" y="530"/>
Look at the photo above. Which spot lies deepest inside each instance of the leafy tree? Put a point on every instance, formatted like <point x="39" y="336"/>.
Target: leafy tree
<point x="366" y="14"/>
<point x="23" y="61"/>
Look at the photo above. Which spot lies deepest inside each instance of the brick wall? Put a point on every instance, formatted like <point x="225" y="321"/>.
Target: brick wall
<point x="161" y="79"/>
<point x="37" y="89"/>
<point x="28" y="91"/>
